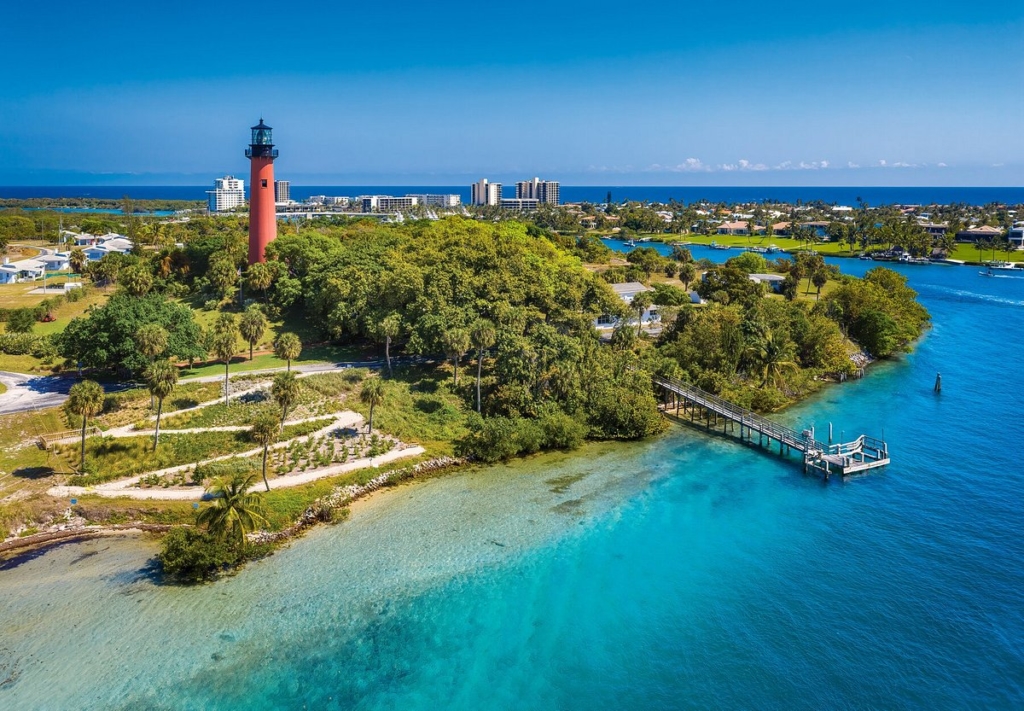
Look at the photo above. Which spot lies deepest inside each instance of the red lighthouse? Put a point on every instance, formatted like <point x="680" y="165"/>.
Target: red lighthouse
<point x="262" y="215"/>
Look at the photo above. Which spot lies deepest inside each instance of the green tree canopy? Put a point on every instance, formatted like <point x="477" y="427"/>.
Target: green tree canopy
<point x="105" y="338"/>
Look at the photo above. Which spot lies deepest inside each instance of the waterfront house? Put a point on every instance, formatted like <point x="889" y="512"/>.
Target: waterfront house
<point x="733" y="228"/>
<point x="1016" y="235"/>
<point x="935" y="229"/>
<point x="973" y="234"/>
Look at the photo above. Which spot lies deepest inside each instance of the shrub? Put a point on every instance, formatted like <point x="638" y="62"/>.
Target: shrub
<point x="191" y="555"/>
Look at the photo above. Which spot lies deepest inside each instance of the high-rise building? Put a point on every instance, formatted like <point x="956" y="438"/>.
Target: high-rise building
<point x="282" y="191"/>
<point x="485" y="193"/>
<point x="545" y="191"/>
<point x="228" y="193"/>
<point x="262" y="215"/>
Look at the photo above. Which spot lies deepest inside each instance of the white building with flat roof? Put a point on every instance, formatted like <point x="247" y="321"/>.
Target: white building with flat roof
<point x="227" y="194"/>
<point x="439" y="200"/>
<point x="388" y="203"/>
<point x="519" y="203"/>
<point x="485" y="193"/>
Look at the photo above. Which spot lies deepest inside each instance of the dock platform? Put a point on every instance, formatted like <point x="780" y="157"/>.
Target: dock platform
<point x="703" y="408"/>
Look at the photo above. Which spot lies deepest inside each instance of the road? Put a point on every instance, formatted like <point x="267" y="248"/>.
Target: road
<point x="35" y="392"/>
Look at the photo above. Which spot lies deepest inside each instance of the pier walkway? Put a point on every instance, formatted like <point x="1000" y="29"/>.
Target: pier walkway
<point x="701" y="407"/>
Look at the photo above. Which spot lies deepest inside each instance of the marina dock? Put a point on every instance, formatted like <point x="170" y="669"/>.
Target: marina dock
<point x="703" y="408"/>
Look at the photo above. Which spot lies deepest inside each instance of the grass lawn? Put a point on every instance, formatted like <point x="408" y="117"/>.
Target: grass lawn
<point x="318" y="395"/>
<point x="128" y="406"/>
<point x="310" y="354"/>
<point x="420" y="406"/>
<point x="24" y="467"/>
<point x="112" y="458"/>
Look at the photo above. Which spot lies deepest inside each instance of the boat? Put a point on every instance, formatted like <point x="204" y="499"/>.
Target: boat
<point x="907" y="259"/>
<point x="757" y="250"/>
<point x="1000" y="265"/>
<point x="630" y="243"/>
<point x="715" y="245"/>
<point x="772" y="249"/>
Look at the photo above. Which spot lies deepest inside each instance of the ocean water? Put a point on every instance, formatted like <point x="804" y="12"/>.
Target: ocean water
<point x="872" y="195"/>
<point x="686" y="572"/>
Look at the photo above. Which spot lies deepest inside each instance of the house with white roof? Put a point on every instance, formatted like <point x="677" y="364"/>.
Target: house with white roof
<point x="56" y="262"/>
<point x="116" y="244"/>
<point x="22" y="270"/>
<point x="774" y="281"/>
<point x="627" y="292"/>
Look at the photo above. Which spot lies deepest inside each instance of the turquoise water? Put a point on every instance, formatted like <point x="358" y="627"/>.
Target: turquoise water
<point x="688" y="572"/>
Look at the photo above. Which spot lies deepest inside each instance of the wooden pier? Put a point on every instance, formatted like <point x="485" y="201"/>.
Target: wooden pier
<point x="711" y="411"/>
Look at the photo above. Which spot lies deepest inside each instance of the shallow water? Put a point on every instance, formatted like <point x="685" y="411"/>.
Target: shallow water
<point x="688" y="572"/>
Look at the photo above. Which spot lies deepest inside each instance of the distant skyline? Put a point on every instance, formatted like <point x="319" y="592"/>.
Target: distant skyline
<point x="739" y="93"/>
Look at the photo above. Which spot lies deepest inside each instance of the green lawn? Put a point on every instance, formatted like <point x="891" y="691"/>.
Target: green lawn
<point x="310" y="354"/>
<point x="112" y="458"/>
<point x="420" y="406"/>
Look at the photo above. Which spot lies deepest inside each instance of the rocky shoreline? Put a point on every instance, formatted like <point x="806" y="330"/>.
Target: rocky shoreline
<point x="320" y="511"/>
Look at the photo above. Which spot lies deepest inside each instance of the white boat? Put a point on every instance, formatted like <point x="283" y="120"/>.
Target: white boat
<point x="630" y="243"/>
<point x="907" y="259"/>
<point x="1000" y="265"/>
<point x="715" y="245"/>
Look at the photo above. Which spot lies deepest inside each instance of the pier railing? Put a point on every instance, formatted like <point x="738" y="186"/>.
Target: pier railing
<point x="741" y="415"/>
<point x="863" y="453"/>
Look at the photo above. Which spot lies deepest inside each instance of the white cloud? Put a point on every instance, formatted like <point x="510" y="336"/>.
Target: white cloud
<point x="747" y="165"/>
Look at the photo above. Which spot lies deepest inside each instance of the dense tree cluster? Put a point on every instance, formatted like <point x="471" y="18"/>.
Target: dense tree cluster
<point x="106" y="338"/>
<point x="427" y="288"/>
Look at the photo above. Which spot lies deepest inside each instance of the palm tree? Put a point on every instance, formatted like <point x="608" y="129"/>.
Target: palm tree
<point x="161" y="377"/>
<point x="259" y="277"/>
<point x="372" y="394"/>
<point x="774" y="358"/>
<point x="819" y="278"/>
<point x="288" y="347"/>
<point x="225" y="338"/>
<point x="483" y="335"/>
<point x="85" y="399"/>
<point x="389" y="328"/>
<point x="456" y="343"/>
<point x="285" y="390"/>
<point x="151" y="339"/>
<point x="641" y="302"/>
<point x="235" y="511"/>
<point x="264" y="432"/>
<point x="77" y="260"/>
<point x="252" y="326"/>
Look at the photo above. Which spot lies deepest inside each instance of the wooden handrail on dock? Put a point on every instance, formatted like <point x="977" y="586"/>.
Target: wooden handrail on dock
<point x="861" y="454"/>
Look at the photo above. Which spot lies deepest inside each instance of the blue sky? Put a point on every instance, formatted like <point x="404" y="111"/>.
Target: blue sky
<point x="727" y="93"/>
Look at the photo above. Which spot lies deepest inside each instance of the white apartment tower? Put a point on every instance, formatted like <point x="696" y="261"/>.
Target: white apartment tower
<point x="485" y="193"/>
<point x="228" y="193"/>
<point x="282" y="191"/>
<point x="543" y="191"/>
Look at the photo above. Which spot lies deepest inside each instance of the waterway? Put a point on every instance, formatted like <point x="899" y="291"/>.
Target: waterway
<point x="686" y="572"/>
